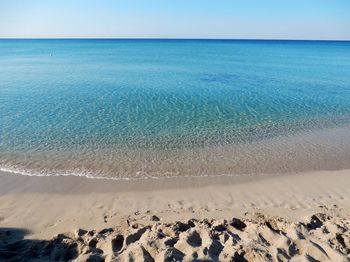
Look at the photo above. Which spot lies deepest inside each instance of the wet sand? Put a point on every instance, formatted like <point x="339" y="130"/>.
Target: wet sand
<point x="277" y="211"/>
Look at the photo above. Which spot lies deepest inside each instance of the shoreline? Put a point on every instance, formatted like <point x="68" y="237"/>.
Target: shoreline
<point x="15" y="182"/>
<point x="58" y="183"/>
<point x="319" y="150"/>
<point x="300" y="191"/>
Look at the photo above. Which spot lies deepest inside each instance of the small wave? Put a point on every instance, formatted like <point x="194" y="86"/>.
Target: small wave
<point x="20" y="171"/>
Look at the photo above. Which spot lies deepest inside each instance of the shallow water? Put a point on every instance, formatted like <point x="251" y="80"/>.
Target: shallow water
<point x="154" y="108"/>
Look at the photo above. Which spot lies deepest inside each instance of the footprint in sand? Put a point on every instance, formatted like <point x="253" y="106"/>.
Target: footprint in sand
<point x="117" y="243"/>
<point x="194" y="239"/>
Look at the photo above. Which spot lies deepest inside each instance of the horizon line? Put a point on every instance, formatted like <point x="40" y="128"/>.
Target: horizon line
<point x="170" y="38"/>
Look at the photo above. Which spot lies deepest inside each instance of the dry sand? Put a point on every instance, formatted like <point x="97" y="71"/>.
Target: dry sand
<point x="297" y="217"/>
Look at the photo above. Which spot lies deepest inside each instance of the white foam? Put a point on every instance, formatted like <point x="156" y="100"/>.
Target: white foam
<point x="20" y="171"/>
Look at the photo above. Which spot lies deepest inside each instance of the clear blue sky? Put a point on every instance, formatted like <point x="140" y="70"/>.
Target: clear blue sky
<point x="268" y="19"/>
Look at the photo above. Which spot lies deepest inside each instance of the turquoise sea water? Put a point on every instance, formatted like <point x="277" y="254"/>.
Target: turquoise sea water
<point x="152" y="108"/>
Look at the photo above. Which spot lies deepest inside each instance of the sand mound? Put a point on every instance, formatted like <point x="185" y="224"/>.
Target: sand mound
<point x="256" y="237"/>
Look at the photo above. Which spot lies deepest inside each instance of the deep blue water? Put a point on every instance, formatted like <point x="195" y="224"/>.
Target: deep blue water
<point x="126" y="103"/>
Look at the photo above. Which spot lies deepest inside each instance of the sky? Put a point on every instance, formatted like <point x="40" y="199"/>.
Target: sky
<point x="232" y="19"/>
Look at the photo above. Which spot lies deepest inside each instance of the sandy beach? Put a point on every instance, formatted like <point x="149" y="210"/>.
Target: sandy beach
<point x="294" y="217"/>
<point x="141" y="131"/>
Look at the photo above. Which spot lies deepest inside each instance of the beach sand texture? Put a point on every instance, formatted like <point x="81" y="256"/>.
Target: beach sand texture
<point x="300" y="217"/>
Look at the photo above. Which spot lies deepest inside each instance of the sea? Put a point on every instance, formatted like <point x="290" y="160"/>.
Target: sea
<point x="164" y="108"/>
